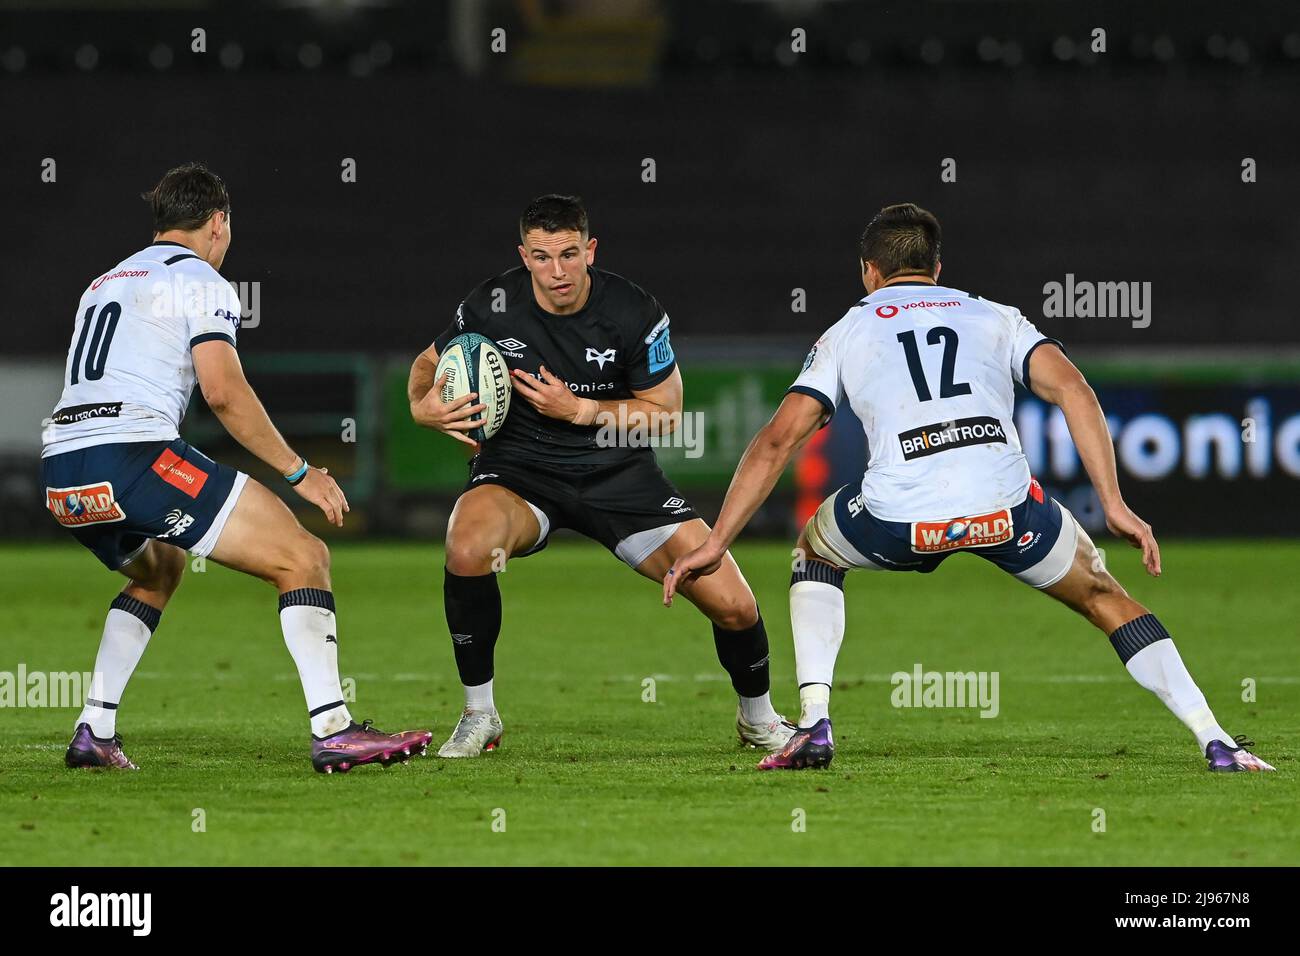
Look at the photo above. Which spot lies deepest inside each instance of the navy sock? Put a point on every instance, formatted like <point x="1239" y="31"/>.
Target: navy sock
<point x="1128" y="639"/>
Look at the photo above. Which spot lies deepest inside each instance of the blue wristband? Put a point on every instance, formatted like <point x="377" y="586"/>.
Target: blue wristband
<point x="298" y="475"/>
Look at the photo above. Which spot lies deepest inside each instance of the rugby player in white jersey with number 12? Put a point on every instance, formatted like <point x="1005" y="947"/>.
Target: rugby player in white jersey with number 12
<point x="121" y="480"/>
<point x="930" y="372"/>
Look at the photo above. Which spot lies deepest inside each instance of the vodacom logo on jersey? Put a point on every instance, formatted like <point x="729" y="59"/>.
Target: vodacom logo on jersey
<point x="889" y="311"/>
<point x="121" y="274"/>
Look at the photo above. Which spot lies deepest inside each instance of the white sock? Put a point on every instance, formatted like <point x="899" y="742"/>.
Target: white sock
<point x="127" y="630"/>
<point x="311" y="633"/>
<point x="480" y="698"/>
<point x="758" y="710"/>
<point x="1160" y="669"/>
<point x="814" y="703"/>
<point x="817" y="619"/>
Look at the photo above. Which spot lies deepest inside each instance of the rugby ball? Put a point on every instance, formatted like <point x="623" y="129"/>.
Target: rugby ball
<point x="475" y="364"/>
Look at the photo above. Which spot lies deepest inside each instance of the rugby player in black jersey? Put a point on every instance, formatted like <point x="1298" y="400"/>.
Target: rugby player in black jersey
<point x="591" y="360"/>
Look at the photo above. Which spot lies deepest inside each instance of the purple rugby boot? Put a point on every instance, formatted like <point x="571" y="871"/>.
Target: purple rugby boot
<point x="362" y="743"/>
<point x="87" y="750"/>
<point x="1226" y="759"/>
<point x="809" y="747"/>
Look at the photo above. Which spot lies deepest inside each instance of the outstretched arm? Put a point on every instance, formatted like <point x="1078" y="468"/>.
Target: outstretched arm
<point x="237" y="407"/>
<point x="1053" y="378"/>
<point x="794" y="423"/>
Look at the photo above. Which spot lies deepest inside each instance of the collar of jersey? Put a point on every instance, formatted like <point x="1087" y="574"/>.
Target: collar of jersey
<point x="909" y="288"/>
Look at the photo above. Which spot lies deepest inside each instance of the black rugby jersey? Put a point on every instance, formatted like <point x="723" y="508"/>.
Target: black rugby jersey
<point x="616" y="344"/>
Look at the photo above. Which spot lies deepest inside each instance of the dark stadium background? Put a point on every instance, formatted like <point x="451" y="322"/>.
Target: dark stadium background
<point x="1122" y="166"/>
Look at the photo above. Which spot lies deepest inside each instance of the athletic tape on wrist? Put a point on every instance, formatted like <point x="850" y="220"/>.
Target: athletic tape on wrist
<point x="587" y="409"/>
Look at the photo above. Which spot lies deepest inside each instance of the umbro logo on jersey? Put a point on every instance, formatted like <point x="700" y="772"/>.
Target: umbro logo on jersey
<point x="600" y="358"/>
<point x="676" y="505"/>
<point x="490" y="474"/>
<point x="462" y="638"/>
<point x="512" y="343"/>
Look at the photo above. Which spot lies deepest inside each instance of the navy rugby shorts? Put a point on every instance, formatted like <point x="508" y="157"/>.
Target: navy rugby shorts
<point x="1034" y="540"/>
<point x="115" y="497"/>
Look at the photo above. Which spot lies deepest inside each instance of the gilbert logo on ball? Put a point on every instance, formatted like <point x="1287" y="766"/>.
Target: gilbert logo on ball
<point x="473" y="363"/>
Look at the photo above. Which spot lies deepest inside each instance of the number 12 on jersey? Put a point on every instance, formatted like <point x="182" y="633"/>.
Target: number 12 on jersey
<point x="947" y="387"/>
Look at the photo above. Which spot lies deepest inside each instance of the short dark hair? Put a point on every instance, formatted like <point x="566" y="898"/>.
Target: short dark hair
<point x="186" y="197"/>
<point x="901" y="240"/>
<point x="554" y="213"/>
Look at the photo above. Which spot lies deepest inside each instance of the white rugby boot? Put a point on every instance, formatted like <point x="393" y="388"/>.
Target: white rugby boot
<point x="476" y="731"/>
<point x="772" y="736"/>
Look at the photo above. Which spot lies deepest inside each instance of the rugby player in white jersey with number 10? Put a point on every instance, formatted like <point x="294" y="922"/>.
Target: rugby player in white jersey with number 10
<point x="930" y="372"/>
<point x="121" y="480"/>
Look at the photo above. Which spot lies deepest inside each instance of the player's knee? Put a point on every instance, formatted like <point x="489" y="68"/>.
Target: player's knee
<point x="736" y="613"/>
<point x="1101" y="594"/>
<point x="467" y="556"/>
<point x="309" y="559"/>
<point x="165" y="567"/>
<point x="170" y="570"/>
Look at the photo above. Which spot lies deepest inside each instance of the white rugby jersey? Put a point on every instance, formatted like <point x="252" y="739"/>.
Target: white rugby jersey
<point x="930" y="371"/>
<point x="129" y="374"/>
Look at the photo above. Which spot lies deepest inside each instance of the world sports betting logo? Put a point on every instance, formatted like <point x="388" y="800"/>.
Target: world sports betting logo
<point x="83" y="505"/>
<point x="979" y="531"/>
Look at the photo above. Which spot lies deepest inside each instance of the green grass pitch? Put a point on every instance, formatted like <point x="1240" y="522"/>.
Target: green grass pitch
<point x="590" y="773"/>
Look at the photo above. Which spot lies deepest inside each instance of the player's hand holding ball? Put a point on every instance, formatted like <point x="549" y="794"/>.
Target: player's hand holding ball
<point x="453" y="418"/>
<point x="324" y="492"/>
<point x="470" y="367"/>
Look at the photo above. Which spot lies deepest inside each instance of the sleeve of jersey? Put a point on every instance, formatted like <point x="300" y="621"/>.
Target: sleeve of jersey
<point x="463" y="322"/>
<point x="651" y="358"/>
<point x="1026" y="339"/>
<point x="820" y="378"/>
<point x="212" y="308"/>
